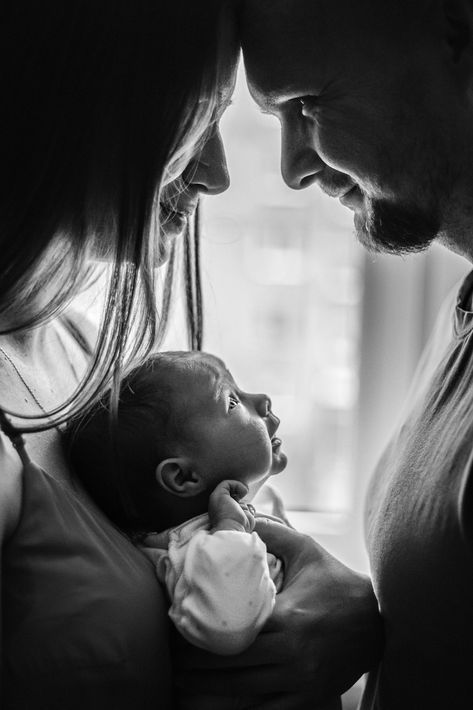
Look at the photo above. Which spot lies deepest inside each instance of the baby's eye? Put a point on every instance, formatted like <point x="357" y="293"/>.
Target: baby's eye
<point x="232" y="402"/>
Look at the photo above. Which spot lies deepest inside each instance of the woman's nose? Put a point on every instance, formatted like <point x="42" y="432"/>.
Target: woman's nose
<point x="300" y="162"/>
<point x="209" y="171"/>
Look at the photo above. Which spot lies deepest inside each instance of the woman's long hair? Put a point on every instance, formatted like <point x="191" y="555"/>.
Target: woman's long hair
<point x="103" y="103"/>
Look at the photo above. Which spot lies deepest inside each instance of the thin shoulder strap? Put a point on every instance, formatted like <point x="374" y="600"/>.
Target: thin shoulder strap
<point x="15" y="437"/>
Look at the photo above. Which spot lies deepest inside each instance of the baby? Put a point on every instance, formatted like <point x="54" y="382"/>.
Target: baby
<point x="188" y="445"/>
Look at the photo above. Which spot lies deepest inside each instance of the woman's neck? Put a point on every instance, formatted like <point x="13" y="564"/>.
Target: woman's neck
<point x="25" y="343"/>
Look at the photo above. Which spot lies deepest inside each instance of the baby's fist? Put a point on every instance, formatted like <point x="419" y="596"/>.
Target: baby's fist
<point x="225" y="511"/>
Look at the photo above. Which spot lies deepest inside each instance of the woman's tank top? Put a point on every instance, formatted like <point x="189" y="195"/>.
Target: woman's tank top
<point x="83" y="615"/>
<point x="84" y="618"/>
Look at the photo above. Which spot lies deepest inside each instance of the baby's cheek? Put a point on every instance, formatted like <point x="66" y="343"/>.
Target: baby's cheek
<point x="261" y="459"/>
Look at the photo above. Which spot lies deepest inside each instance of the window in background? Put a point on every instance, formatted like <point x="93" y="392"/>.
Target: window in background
<point x="283" y="296"/>
<point x="298" y="309"/>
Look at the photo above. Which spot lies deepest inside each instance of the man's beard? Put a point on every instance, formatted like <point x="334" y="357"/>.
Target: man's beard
<point x="384" y="227"/>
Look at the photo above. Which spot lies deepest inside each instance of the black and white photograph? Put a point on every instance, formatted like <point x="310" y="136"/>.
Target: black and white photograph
<point x="236" y="355"/>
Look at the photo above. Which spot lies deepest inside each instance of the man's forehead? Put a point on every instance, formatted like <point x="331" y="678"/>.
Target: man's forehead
<point x="289" y="43"/>
<point x="258" y="15"/>
<point x="297" y="21"/>
<point x="282" y="39"/>
<point x="279" y="26"/>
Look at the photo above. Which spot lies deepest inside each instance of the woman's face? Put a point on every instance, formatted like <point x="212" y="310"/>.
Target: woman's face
<point x="206" y="173"/>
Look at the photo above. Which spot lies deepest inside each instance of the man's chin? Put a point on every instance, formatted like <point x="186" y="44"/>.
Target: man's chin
<point x="384" y="228"/>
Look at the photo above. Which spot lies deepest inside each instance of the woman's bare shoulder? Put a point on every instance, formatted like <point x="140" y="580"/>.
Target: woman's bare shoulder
<point x="10" y="488"/>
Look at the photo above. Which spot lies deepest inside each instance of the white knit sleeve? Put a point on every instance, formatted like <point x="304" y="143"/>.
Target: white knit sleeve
<point x="222" y="593"/>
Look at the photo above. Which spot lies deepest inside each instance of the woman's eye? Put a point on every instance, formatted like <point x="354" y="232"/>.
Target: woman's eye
<point x="233" y="402"/>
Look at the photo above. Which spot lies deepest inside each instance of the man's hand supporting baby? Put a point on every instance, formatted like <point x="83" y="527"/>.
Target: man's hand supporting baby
<point x="324" y="633"/>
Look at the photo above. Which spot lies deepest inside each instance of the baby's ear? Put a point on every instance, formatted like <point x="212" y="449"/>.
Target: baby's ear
<point x="178" y="476"/>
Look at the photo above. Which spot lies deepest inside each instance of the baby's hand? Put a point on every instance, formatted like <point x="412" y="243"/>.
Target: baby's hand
<point x="225" y="511"/>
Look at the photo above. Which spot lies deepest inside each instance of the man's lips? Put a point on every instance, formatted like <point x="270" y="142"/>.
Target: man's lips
<point x="353" y="198"/>
<point x="349" y="194"/>
<point x="337" y="191"/>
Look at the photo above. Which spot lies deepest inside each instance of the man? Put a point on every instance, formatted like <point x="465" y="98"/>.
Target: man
<point x="375" y="101"/>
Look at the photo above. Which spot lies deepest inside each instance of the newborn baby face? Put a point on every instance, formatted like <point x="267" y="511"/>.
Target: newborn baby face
<point x="230" y="434"/>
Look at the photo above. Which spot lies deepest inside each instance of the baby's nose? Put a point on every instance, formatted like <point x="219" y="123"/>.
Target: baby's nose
<point x="263" y="405"/>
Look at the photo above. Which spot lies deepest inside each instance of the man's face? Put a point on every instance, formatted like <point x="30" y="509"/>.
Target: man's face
<point x="370" y="110"/>
<point x="228" y="433"/>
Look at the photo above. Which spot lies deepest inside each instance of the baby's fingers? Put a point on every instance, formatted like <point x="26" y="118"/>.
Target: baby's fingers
<point x="233" y="489"/>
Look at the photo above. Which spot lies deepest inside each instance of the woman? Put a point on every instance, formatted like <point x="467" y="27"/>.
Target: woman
<point x="106" y="104"/>
<point x="110" y="107"/>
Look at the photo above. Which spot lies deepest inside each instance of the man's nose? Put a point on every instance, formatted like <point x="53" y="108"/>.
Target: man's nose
<point x="300" y="162"/>
<point x="210" y="172"/>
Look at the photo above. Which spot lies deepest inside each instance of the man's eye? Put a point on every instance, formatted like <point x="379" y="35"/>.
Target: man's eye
<point x="308" y="105"/>
<point x="233" y="402"/>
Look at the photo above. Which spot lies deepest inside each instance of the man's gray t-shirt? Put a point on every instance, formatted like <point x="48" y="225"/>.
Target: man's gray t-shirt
<point x="419" y="528"/>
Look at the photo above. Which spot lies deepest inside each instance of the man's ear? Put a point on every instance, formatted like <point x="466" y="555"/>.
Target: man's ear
<point x="177" y="476"/>
<point x="458" y="32"/>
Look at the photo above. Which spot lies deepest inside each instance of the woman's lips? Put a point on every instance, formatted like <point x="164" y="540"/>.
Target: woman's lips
<point x="174" y="216"/>
<point x="174" y="224"/>
<point x="183" y="201"/>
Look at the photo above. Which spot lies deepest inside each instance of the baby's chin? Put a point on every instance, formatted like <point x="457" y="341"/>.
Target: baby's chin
<point x="279" y="463"/>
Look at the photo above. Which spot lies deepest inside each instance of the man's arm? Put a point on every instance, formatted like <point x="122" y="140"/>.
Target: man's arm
<point x="324" y="633"/>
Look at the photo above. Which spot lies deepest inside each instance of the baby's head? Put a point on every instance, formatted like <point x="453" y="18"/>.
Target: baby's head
<point x="183" y="426"/>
